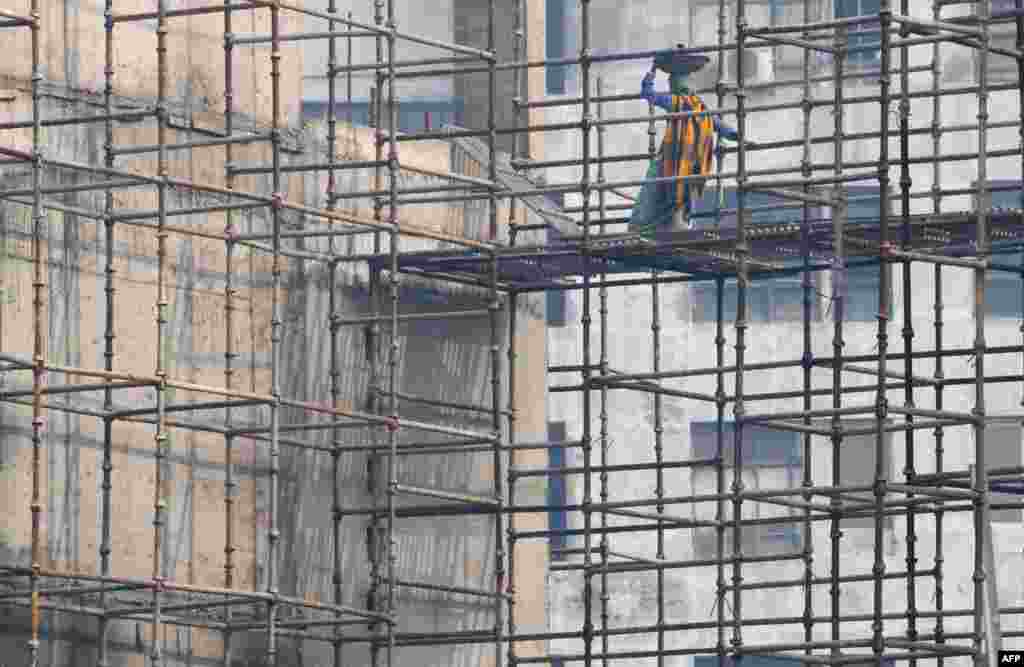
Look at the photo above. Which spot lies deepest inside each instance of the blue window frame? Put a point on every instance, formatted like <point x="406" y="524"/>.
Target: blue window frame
<point x="557" y="495"/>
<point x="1003" y="290"/>
<point x="778" y="299"/>
<point x="762" y="448"/>
<point x="865" y="38"/>
<point x="414" y="115"/>
<point x="555" y="46"/>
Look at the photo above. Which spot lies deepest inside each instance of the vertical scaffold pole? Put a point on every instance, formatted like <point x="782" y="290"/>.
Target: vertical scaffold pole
<point x="161" y="439"/>
<point x="908" y="326"/>
<point x="106" y="547"/>
<point x="391" y="555"/>
<point x="230" y="229"/>
<point x="586" y="436"/>
<point x="742" y="250"/>
<point x="807" y="361"/>
<point x="986" y="620"/>
<point x="337" y="646"/>
<point x="38" y="337"/>
<point x="939" y="372"/>
<point x="518" y="41"/>
<point x="939" y="375"/>
<point x="511" y="439"/>
<point x="374" y="460"/>
<point x="838" y="314"/>
<point x="276" y="332"/>
<point x="603" y="370"/>
<point x="721" y="509"/>
<point x="494" y="309"/>
<point x="885" y="293"/>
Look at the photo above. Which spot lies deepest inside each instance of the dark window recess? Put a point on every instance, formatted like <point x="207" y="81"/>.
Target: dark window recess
<point x="413" y="115"/>
<point x="557" y="300"/>
<point x="557" y="496"/>
<point x="762" y="450"/>
<point x="859" y="285"/>
<point x="556" y="304"/>
<point x="778" y="299"/>
<point x="761" y="446"/>
<point x="757" y="540"/>
<point x="857" y="467"/>
<point x="865" y="39"/>
<point x="555" y="75"/>
<point x="1003" y="450"/>
<point x="1003" y="297"/>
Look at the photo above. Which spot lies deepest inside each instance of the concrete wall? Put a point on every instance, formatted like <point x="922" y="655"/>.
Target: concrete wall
<point x="453" y="21"/>
<point x="689" y="343"/>
<point x="434" y="22"/>
<point x="446" y="362"/>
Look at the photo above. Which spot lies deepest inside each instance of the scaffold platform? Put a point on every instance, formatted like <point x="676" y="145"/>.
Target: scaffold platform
<point x="775" y="249"/>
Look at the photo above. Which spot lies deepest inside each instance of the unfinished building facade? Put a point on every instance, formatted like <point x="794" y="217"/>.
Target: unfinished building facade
<point x="276" y="394"/>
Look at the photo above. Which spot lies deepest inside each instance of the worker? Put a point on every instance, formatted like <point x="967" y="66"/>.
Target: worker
<point x="686" y="150"/>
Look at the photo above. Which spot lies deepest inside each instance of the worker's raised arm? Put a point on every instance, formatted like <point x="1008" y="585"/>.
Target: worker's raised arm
<point x="647" y="92"/>
<point x="725" y="131"/>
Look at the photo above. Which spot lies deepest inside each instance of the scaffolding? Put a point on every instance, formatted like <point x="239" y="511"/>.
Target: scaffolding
<point x="589" y="262"/>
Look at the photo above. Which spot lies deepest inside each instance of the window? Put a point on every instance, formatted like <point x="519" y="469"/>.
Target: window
<point x="556" y="307"/>
<point x="1003" y="290"/>
<point x="771" y="460"/>
<point x="557" y="496"/>
<point x="859" y="285"/>
<point x="555" y="45"/>
<point x="557" y="300"/>
<point x="776" y="299"/>
<point x="415" y="115"/>
<point x="865" y="38"/>
<point x="860" y="291"/>
<point x="1002" y="450"/>
<point x="857" y="466"/>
